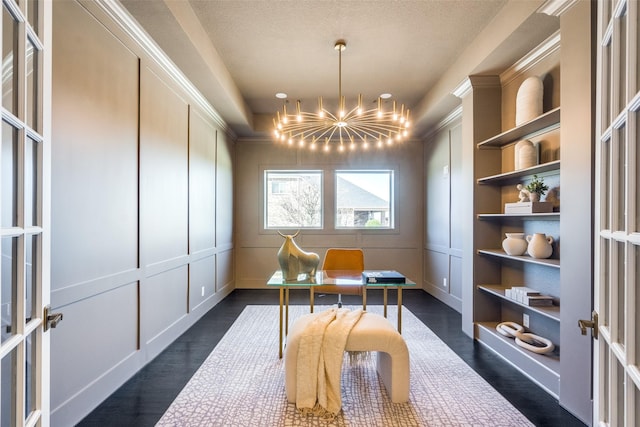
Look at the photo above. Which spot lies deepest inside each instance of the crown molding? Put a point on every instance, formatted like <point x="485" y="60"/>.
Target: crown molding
<point x="123" y="19"/>
<point x="454" y="115"/>
<point x="541" y="52"/>
<point x="556" y="7"/>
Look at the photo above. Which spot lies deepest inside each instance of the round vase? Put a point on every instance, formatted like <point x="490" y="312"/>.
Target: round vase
<point x="514" y="244"/>
<point x="529" y="100"/>
<point x="534" y="197"/>
<point x="525" y="154"/>
<point x="540" y="245"/>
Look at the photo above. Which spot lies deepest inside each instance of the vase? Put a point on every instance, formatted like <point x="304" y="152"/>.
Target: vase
<point x="526" y="154"/>
<point x="534" y="197"/>
<point x="514" y="244"/>
<point x="529" y="100"/>
<point x="540" y="245"/>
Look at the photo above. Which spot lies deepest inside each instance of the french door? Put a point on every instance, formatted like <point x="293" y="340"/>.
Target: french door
<point x="24" y="212"/>
<point x="617" y="213"/>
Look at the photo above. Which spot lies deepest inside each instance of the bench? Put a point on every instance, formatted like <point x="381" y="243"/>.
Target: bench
<point x="372" y="333"/>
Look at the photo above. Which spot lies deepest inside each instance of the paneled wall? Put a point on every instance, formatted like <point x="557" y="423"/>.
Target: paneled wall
<point x="398" y="249"/>
<point x="142" y="210"/>
<point x="442" y="214"/>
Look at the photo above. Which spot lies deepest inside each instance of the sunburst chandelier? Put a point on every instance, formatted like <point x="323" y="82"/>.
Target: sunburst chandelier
<point x="348" y="129"/>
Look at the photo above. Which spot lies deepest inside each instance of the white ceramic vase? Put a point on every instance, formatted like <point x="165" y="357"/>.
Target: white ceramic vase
<point x="526" y="154"/>
<point x="540" y="245"/>
<point x="529" y="100"/>
<point x="514" y="244"/>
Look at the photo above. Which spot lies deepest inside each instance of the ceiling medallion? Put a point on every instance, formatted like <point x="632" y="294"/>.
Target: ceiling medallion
<point x="345" y="129"/>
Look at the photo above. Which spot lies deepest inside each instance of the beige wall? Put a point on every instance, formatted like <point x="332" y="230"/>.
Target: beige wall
<point x="256" y="247"/>
<point x="142" y="200"/>
<point x="444" y="194"/>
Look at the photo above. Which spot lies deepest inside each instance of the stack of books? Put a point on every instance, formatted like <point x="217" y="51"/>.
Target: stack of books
<point x="528" y="296"/>
<point x="383" y="276"/>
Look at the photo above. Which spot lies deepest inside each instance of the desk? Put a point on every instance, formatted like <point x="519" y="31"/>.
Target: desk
<point x="329" y="277"/>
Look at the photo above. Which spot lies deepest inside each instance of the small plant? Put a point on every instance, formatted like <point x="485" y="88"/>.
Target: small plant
<point x="537" y="186"/>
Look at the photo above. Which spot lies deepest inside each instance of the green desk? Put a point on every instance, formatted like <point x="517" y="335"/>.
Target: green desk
<point x="329" y="277"/>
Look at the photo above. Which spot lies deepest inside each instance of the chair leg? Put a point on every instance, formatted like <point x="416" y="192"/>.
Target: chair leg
<point x="339" y="300"/>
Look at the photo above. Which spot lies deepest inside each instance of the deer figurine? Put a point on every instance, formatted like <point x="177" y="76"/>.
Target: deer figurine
<point x="294" y="261"/>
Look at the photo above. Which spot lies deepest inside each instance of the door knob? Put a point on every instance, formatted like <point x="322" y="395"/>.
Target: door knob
<point x="591" y="324"/>
<point x="51" y="320"/>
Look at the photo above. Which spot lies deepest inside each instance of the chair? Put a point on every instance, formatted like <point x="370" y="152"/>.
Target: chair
<point x="342" y="259"/>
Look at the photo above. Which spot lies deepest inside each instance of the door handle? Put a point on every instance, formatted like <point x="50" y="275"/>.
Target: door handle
<point x="591" y="324"/>
<point x="51" y="320"/>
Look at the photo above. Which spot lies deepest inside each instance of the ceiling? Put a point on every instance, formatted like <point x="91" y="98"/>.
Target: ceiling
<point x="239" y="53"/>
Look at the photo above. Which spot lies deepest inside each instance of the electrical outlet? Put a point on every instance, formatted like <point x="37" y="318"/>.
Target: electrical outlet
<point x="203" y="291"/>
<point x="525" y="320"/>
<point x="444" y="282"/>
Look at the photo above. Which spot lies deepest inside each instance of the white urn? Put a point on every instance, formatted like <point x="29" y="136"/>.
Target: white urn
<point x="540" y="245"/>
<point x="514" y="244"/>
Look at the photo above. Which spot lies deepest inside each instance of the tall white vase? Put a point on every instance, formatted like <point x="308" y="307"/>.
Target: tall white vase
<point x="529" y="100"/>
<point x="526" y="154"/>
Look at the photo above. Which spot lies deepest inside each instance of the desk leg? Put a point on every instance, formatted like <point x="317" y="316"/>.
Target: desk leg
<point x="311" y="296"/>
<point x="281" y="304"/>
<point x="384" y="298"/>
<point x="400" y="309"/>
<point x="364" y="298"/>
<point x="286" y="318"/>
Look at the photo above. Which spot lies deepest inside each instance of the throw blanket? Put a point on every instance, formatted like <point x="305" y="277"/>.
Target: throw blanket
<point x="320" y="356"/>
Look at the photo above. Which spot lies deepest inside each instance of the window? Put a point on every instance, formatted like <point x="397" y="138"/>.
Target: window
<point x="293" y="199"/>
<point x="364" y="199"/>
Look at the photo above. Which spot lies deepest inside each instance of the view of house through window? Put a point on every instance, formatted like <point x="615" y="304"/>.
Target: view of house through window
<point x="364" y="199"/>
<point x="293" y="199"/>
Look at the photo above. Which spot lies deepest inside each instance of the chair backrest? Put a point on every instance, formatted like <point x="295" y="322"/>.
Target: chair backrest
<point x="343" y="259"/>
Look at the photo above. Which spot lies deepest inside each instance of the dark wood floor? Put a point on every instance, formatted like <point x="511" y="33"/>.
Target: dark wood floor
<point x="145" y="397"/>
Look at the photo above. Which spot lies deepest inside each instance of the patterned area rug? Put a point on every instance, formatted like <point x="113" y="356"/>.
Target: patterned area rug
<point x="242" y="383"/>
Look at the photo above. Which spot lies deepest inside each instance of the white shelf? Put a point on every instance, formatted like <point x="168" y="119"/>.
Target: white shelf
<point x="552" y="312"/>
<point x="555" y="263"/>
<point x="515" y="176"/>
<point x="552" y="216"/>
<point x="542" y="369"/>
<point x="546" y="121"/>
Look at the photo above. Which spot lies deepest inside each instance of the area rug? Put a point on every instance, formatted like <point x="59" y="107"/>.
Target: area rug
<point x="242" y="383"/>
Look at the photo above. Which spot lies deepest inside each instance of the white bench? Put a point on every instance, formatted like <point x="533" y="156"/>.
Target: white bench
<point x="372" y="333"/>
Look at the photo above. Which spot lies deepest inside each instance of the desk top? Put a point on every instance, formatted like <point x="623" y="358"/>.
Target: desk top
<point x="332" y="277"/>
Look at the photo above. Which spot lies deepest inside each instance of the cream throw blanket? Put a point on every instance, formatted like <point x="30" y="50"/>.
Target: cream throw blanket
<point x="319" y="363"/>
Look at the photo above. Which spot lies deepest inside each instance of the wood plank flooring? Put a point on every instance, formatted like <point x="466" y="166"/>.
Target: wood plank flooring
<point x="145" y="397"/>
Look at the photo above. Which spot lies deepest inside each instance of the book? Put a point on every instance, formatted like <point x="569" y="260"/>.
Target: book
<point x="382" y="276"/>
<point x="539" y="301"/>
<point x="528" y="207"/>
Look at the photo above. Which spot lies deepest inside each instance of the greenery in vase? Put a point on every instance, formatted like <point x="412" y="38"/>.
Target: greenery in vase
<point x="537" y="185"/>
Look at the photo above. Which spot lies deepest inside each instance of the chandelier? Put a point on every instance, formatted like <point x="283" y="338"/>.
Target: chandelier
<point x="345" y="128"/>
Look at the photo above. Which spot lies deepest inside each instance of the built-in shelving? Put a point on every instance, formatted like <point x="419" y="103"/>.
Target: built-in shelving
<point x="499" y="253"/>
<point x="515" y="176"/>
<point x="552" y="312"/>
<point x="540" y="124"/>
<point x="543" y="369"/>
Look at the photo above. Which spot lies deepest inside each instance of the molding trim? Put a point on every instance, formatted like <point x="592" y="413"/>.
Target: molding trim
<point x="541" y="52"/>
<point x="462" y="89"/>
<point x="454" y="115"/>
<point x="122" y="18"/>
<point x="473" y="82"/>
<point x="556" y="7"/>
